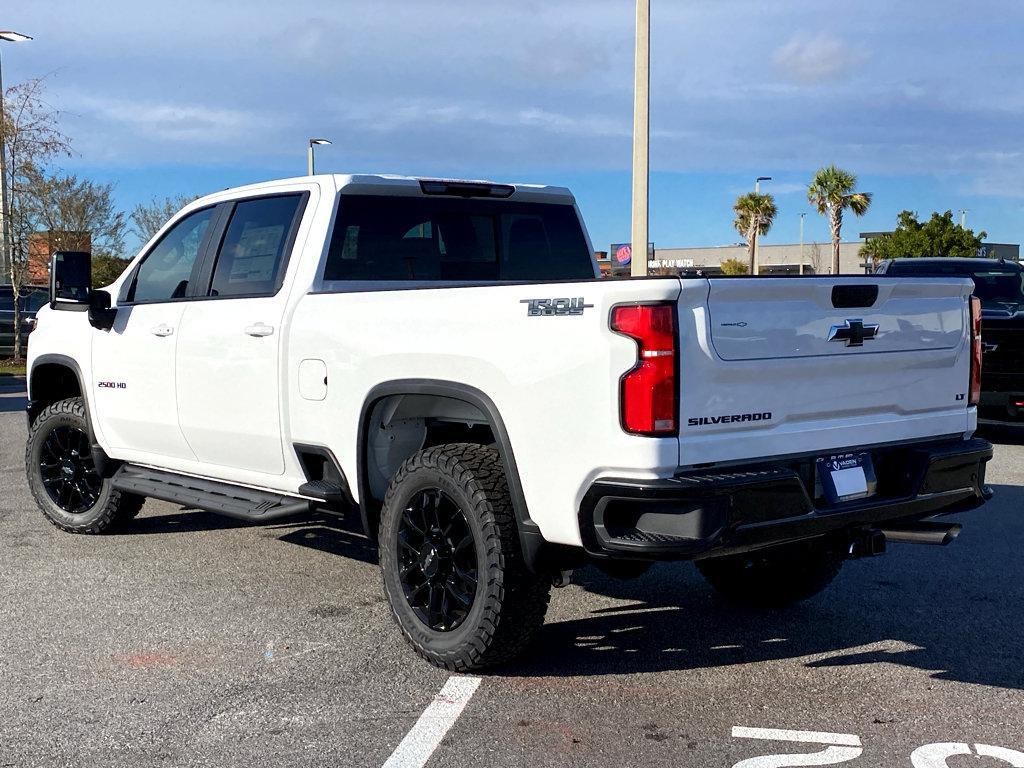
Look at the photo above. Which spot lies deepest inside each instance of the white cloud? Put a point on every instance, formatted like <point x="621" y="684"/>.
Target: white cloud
<point x="168" y="121"/>
<point x="818" y="59"/>
<point x="420" y="113"/>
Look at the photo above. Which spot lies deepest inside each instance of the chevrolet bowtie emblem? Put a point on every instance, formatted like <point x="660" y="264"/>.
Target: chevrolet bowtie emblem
<point x="854" y="331"/>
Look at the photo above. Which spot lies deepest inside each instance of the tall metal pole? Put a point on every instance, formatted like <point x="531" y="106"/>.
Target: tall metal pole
<point x="5" y="223"/>
<point x="802" y="215"/>
<point x="641" y="138"/>
<point x="310" y="159"/>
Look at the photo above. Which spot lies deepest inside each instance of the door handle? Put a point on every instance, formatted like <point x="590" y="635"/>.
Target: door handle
<point x="259" y="329"/>
<point x="162" y="330"/>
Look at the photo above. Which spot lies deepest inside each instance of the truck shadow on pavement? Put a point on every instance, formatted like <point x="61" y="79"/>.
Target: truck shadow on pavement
<point x="319" y="531"/>
<point x="954" y="612"/>
<point x="1012" y="434"/>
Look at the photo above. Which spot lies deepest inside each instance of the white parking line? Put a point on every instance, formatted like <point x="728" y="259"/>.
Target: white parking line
<point x="792" y="735"/>
<point x="419" y="744"/>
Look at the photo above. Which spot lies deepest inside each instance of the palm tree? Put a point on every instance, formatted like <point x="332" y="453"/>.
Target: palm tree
<point x="755" y="214"/>
<point x="831" y="192"/>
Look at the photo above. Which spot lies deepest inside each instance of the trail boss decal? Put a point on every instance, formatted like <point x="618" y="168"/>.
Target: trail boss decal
<point x="762" y="416"/>
<point x="113" y="385"/>
<point x="562" y="306"/>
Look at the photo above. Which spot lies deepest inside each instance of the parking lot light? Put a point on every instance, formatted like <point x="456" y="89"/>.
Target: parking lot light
<point x="312" y="143"/>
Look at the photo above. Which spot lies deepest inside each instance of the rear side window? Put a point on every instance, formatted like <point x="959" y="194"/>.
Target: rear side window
<point x="252" y="255"/>
<point x="383" y="238"/>
<point x="166" y="271"/>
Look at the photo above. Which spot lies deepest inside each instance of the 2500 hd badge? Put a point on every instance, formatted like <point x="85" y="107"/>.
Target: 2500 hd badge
<point x="761" y="416"/>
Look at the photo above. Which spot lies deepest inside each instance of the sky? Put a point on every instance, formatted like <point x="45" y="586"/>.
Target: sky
<point x="922" y="99"/>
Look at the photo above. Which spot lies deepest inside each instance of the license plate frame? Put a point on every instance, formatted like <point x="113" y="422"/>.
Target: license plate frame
<point x="845" y="477"/>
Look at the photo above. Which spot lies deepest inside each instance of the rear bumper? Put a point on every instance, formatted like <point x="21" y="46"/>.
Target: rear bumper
<point x="709" y="513"/>
<point x="1002" y="405"/>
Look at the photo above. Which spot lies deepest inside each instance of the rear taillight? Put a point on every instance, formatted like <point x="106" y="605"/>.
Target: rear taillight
<point x="975" y="389"/>
<point x="649" y="395"/>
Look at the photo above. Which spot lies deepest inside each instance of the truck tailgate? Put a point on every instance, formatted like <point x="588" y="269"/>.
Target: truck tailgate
<point x="784" y="366"/>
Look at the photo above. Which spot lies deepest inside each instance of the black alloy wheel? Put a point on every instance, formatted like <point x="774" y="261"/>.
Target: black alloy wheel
<point x="63" y="478"/>
<point x="66" y="470"/>
<point x="437" y="559"/>
<point x="452" y="562"/>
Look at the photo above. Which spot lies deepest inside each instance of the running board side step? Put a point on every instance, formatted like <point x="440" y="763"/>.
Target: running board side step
<point x="212" y="496"/>
<point x="923" y="533"/>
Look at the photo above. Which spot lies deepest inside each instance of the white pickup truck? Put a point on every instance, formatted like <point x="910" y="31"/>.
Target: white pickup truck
<point x="442" y="357"/>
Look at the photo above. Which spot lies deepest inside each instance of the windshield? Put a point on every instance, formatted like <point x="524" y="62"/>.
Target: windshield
<point x="995" y="285"/>
<point x="999" y="286"/>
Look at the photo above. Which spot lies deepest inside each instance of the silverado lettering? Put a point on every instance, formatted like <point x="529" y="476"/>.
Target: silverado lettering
<point x="727" y="418"/>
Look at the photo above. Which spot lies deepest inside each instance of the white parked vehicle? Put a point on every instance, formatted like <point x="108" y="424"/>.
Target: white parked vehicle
<point x="442" y="357"/>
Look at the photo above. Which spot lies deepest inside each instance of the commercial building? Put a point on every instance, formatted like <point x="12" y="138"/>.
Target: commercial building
<point x="776" y="259"/>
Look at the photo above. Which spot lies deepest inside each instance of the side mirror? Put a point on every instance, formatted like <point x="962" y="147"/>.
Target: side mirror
<point x="70" y="279"/>
<point x="101" y="316"/>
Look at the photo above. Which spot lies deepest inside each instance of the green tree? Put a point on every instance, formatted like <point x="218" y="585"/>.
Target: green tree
<point x="106" y="269"/>
<point x="755" y="214"/>
<point x="939" y="236"/>
<point x="734" y="267"/>
<point x="831" y="191"/>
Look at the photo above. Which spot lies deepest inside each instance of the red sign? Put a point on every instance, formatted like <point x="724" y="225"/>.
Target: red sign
<point x="624" y="254"/>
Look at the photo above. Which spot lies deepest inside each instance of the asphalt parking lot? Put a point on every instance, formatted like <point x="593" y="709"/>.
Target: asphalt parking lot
<point x="192" y="639"/>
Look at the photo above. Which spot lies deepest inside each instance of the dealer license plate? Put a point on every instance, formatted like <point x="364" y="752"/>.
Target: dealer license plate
<point x="846" y="476"/>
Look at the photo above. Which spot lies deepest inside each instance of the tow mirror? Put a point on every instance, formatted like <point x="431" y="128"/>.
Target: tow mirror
<point x="71" y="288"/>
<point x="70" y="280"/>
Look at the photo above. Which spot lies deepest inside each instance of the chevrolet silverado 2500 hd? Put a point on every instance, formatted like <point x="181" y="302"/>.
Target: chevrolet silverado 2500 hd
<point x="442" y="357"/>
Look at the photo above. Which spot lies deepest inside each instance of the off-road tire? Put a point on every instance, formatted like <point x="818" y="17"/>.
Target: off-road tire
<point x="111" y="507"/>
<point x="509" y="602"/>
<point x="774" y="577"/>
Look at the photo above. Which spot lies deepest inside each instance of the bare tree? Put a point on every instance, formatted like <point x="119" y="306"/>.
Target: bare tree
<point x="814" y="257"/>
<point x="69" y="209"/>
<point x="148" y="218"/>
<point x="31" y="139"/>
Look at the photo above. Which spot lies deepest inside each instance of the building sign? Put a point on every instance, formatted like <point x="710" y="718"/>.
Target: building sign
<point x="622" y="256"/>
<point x="668" y="263"/>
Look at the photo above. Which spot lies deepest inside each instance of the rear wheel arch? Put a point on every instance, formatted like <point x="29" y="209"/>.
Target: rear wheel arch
<point x="453" y="392"/>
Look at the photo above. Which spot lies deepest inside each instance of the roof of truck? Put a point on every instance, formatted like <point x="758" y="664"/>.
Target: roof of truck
<point x="394" y="184"/>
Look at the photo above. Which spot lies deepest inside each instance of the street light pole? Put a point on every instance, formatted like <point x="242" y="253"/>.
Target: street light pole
<point x="313" y="142"/>
<point x="641" y="138"/>
<point x="6" y="36"/>
<point x="802" y="215"/>
<point x="963" y="218"/>
<point x="757" y="238"/>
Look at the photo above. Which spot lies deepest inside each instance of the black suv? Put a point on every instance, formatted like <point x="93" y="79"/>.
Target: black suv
<point x="1000" y="286"/>
<point x="31" y="299"/>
